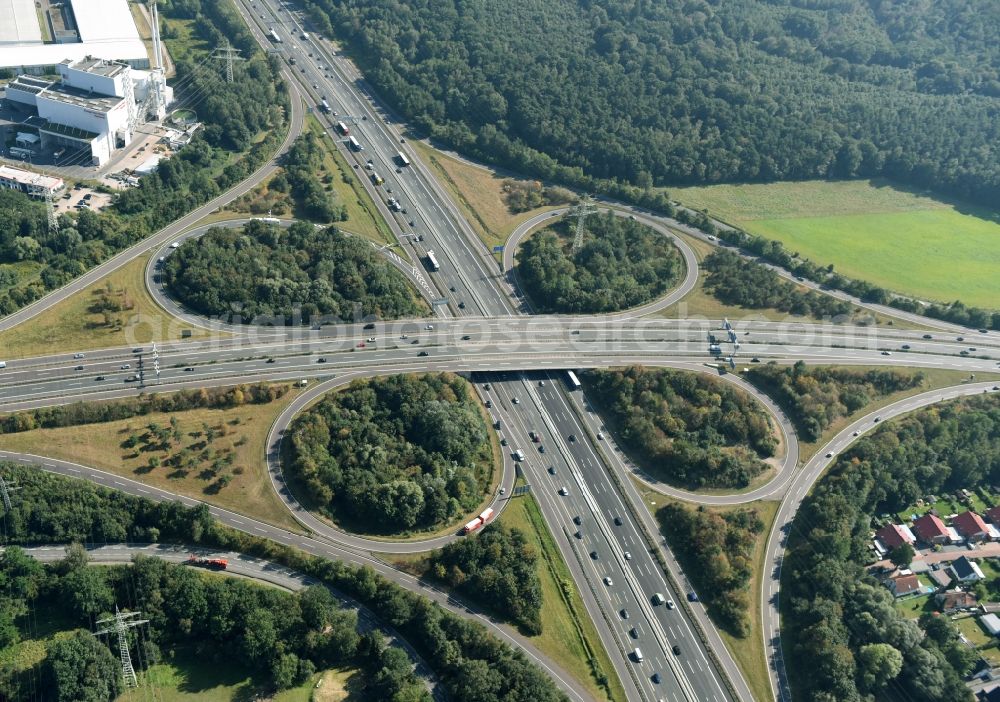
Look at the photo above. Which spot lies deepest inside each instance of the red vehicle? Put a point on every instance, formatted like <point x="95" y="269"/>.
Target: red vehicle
<point x="361" y="345"/>
<point x="342" y="128"/>
<point x="214" y="563"/>
<point x="534" y="436"/>
<point x="479" y="521"/>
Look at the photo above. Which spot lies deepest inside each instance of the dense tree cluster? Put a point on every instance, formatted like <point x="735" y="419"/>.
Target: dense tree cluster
<point x="524" y="195"/>
<point x="816" y="397"/>
<point x="775" y="252"/>
<point x="266" y="274"/>
<point x="621" y="264"/>
<point x="717" y="551"/>
<point x="283" y="637"/>
<point x="180" y="401"/>
<point x="737" y="281"/>
<point x="689" y="429"/>
<point x="34" y="260"/>
<point x="395" y="453"/>
<point x="302" y="164"/>
<point x="693" y="91"/>
<point x="832" y="614"/>
<point x="470" y="662"/>
<point x="497" y="568"/>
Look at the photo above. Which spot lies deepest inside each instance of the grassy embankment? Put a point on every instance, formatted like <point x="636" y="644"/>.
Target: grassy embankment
<point x="74" y="324"/>
<point x="908" y="242"/>
<point x="240" y="432"/>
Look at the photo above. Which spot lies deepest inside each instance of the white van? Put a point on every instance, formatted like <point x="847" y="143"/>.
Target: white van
<point x="637" y="655"/>
<point x="519" y="455"/>
<point x="3" y="364"/>
<point x="658" y="598"/>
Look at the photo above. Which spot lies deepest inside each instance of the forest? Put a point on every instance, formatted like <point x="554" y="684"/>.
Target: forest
<point x="815" y="397"/>
<point x="688" y="429"/>
<point x="468" y="661"/>
<point x="717" y="553"/>
<point x="735" y="280"/>
<point x="283" y="637"/>
<point x="843" y="639"/>
<point x="497" y="569"/>
<point x="266" y="274"/>
<point x="391" y="454"/>
<point x="601" y="94"/>
<point x="34" y="260"/>
<point x="621" y="264"/>
<point x="302" y="164"/>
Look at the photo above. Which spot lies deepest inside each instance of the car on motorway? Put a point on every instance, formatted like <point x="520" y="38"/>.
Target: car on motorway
<point x="552" y="470"/>
<point x="429" y="327"/>
<point x="78" y="368"/>
<point x="928" y="336"/>
<point x="692" y="596"/>
<point x="564" y="491"/>
<point x="489" y="404"/>
<point x="131" y="379"/>
<point x="618" y="521"/>
<point x="534" y="436"/>
<point x="461" y="305"/>
<point x="189" y="369"/>
<point x="633" y="632"/>
<point x="655" y="678"/>
<point x="600" y="436"/>
<point x="515" y="400"/>
<point x="541" y="383"/>
<point x="886" y="353"/>
<point x="856" y="433"/>
<point x="99" y="378"/>
<point x="371" y="325"/>
<point x="608" y="581"/>
<point x="754" y="360"/>
<point x="541" y="449"/>
<point x="984" y="331"/>
<point x="126" y="366"/>
<point x="959" y="338"/>
<point x="670" y="604"/>
<point x="877" y="419"/>
<point x="963" y="352"/>
<point x="503" y="441"/>
<point x="175" y="245"/>
<point x="905" y="347"/>
<point x="623" y="612"/>
<point x="321" y="359"/>
<point x="572" y="438"/>
<point x="676" y="649"/>
<point x="466" y="337"/>
<point x="77" y="355"/>
<point x="269" y="360"/>
<point x="829" y="454"/>
<point x="578" y="520"/>
<point x="371" y="339"/>
<point x="628" y="556"/>
<point x="593" y="555"/>
<point x="422" y="353"/>
<point x="361" y="344"/>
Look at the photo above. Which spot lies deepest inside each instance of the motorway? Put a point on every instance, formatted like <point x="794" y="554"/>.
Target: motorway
<point x="484" y="334"/>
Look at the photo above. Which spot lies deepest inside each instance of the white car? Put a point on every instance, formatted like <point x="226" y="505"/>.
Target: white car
<point x="175" y="245"/>
<point x="429" y="327"/>
<point x="564" y="491"/>
<point x="371" y="339"/>
<point x="628" y="556"/>
<point x="607" y="581"/>
<point x="670" y="604"/>
<point x="77" y="355"/>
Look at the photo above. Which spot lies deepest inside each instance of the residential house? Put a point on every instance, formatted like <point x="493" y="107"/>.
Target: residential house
<point x="993" y="514"/>
<point x="930" y="529"/>
<point x="971" y="526"/>
<point x="966" y="571"/>
<point x="941" y="577"/>
<point x="895" y="535"/>
<point x="903" y="585"/>
<point x="956" y="601"/>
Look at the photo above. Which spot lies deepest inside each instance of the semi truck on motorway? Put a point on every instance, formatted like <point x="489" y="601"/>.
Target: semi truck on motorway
<point x="325" y="106"/>
<point x="274" y="37"/>
<point x="432" y="261"/>
<point x="479" y="521"/>
<point x="342" y="129"/>
<point x="355" y="144"/>
<point x="215" y="563"/>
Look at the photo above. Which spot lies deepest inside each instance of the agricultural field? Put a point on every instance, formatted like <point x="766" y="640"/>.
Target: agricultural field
<point x="870" y="230"/>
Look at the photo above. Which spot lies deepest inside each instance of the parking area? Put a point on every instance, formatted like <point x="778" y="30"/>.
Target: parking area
<point x="80" y="197"/>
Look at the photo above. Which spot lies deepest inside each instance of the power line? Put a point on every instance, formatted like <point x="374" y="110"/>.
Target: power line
<point x="228" y="54"/>
<point x="581" y="210"/>
<point x="119" y="625"/>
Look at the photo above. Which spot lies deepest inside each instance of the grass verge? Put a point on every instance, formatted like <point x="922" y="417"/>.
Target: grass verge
<point x="245" y="428"/>
<point x="748" y="652"/>
<point x="75" y="324"/>
<point x="479" y="194"/>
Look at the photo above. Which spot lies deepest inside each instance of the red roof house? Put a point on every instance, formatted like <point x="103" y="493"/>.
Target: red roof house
<point x="993" y="514"/>
<point x="894" y="536"/>
<point x="971" y="526"/>
<point x="902" y="585"/>
<point x="930" y="529"/>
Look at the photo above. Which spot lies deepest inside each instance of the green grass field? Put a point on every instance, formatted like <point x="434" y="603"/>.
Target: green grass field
<point x="870" y="230"/>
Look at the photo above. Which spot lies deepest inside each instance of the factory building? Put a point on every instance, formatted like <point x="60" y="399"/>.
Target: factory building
<point x="33" y="184"/>
<point x="95" y="105"/>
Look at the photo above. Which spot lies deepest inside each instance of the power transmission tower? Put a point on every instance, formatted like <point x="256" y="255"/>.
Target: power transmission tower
<point x="119" y="625"/>
<point x="228" y="54"/>
<point x="50" y="210"/>
<point x="5" y="490"/>
<point x="580" y="211"/>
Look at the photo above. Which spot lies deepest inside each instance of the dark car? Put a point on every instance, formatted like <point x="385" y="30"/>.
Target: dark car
<point x="618" y="521"/>
<point x="577" y="519"/>
<point x="677" y="650"/>
<point x="541" y="449"/>
<point x="189" y="369"/>
<point x="489" y="404"/>
<point x="321" y="359"/>
<point x="692" y="596"/>
<point x="422" y="353"/>
<point x="370" y="325"/>
<point x="593" y="554"/>
<point x="466" y="337"/>
<point x="270" y="360"/>
<point x="656" y="678"/>
<point x="572" y="438"/>
<point x="100" y="377"/>
<point x="552" y="471"/>
<point x="623" y="613"/>
<point x="754" y="360"/>
<point x="79" y="368"/>
<point x="928" y="336"/>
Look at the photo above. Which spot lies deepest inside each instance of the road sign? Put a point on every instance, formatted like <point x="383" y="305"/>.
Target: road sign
<point x="498" y="249"/>
<point x="439" y="301"/>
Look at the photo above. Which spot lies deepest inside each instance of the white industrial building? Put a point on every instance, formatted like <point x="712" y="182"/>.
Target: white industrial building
<point x="33" y="184"/>
<point x="35" y="41"/>
<point x="96" y="104"/>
